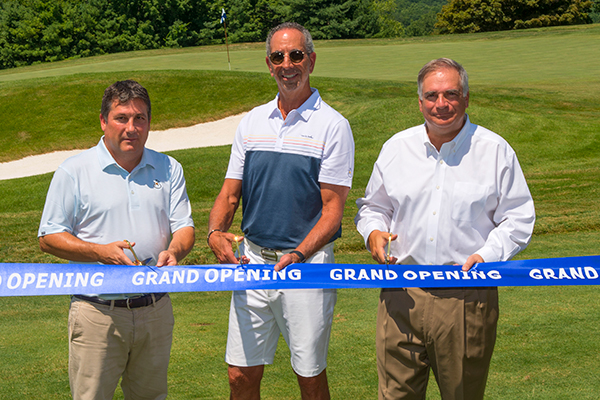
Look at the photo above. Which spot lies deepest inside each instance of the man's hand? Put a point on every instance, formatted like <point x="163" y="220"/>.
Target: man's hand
<point x="472" y="260"/>
<point x="69" y="247"/>
<point x="166" y="258"/>
<point x="113" y="253"/>
<point x="221" y="244"/>
<point x="286" y="260"/>
<point x="180" y="246"/>
<point x="377" y="242"/>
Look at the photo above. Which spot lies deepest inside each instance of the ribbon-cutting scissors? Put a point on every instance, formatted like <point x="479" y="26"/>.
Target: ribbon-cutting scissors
<point x="389" y="250"/>
<point x="137" y="260"/>
<point x="237" y="247"/>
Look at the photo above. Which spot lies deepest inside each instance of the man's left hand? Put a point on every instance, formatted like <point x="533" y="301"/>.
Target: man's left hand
<point x="286" y="260"/>
<point x="167" y="258"/>
<point x="472" y="260"/>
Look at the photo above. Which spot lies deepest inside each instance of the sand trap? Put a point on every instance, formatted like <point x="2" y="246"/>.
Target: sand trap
<point x="215" y="133"/>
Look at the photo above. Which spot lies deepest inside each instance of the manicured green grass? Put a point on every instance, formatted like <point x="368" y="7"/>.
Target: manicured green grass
<point x="63" y="113"/>
<point x="514" y="57"/>
<point x="548" y="336"/>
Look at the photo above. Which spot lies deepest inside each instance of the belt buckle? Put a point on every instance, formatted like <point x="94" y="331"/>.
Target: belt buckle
<point x="269" y="254"/>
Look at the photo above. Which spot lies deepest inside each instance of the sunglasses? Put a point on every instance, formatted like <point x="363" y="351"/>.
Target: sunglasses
<point x="277" y="57"/>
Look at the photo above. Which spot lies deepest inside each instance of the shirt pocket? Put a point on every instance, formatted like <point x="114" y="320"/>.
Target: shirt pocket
<point x="468" y="201"/>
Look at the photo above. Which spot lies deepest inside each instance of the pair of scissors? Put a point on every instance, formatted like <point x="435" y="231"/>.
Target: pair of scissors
<point x="137" y="260"/>
<point x="389" y="251"/>
<point x="237" y="248"/>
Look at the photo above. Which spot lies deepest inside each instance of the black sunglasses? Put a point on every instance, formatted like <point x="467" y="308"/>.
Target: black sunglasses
<point x="277" y="57"/>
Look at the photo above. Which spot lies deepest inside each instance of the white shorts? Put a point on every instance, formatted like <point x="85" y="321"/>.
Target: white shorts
<point x="302" y="316"/>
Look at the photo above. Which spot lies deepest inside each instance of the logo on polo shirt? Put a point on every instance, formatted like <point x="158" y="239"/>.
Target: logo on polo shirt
<point x="157" y="184"/>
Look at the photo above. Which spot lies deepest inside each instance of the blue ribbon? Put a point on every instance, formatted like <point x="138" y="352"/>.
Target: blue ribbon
<point x="60" y="279"/>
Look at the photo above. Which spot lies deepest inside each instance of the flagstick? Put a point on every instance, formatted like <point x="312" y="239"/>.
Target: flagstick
<point x="227" y="44"/>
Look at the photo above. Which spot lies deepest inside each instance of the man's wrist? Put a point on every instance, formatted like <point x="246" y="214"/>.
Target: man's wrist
<point x="210" y="233"/>
<point x="299" y="254"/>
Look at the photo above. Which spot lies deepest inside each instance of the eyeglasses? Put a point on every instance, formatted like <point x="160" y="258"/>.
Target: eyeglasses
<point x="277" y="57"/>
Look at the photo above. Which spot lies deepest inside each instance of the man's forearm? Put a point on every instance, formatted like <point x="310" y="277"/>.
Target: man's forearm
<point x="66" y="246"/>
<point x="226" y="204"/>
<point x="182" y="242"/>
<point x="334" y="199"/>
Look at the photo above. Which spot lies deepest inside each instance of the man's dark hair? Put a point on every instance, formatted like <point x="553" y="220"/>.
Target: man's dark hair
<point x="123" y="91"/>
<point x="309" y="47"/>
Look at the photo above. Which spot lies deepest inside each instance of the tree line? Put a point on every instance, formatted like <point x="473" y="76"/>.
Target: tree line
<point x="34" y="31"/>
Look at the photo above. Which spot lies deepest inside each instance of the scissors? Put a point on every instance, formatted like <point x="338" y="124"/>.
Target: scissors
<point x="137" y="260"/>
<point x="389" y="250"/>
<point x="237" y="248"/>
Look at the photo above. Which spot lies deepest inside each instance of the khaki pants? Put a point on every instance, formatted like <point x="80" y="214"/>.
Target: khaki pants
<point x="452" y="331"/>
<point x="105" y="345"/>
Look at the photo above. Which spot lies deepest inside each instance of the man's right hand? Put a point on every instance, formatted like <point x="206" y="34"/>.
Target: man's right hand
<point x="378" y="240"/>
<point x="69" y="247"/>
<point x="221" y="244"/>
<point x="113" y="253"/>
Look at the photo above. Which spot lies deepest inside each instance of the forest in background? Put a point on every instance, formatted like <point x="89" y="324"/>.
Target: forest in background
<point x="35" y="31"/>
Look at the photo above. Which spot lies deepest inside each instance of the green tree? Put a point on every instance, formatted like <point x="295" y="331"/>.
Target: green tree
<point x="331" y="19"/>
<point x="251" y="20"/>
<point x="461" y="16"/>
<point x="418" y="16"/>
<point x="387" y="26"/>
<point x="595" y="14"/>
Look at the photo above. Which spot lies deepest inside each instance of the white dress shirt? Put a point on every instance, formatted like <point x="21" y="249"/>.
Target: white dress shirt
<point x="470" y="197"/>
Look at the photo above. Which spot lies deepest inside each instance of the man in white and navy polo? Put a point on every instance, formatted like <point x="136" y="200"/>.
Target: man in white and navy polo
<point x="292" y="163"/>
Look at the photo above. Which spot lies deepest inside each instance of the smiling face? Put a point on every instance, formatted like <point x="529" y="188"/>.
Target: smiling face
<point x="126" y="131"/>
<point x="292" y="78"/>
<point x="443" y="105"/>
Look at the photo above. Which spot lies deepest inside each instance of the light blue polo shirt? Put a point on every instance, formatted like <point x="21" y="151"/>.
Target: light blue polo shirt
<point x="281" y="164"/>
<point x="98" y="201"/>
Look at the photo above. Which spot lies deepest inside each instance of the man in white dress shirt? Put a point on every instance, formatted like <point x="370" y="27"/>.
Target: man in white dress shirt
<point x="446" y="192"/>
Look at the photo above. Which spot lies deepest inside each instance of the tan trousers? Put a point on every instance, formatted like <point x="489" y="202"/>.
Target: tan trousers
<point x="452" y="331"/>
<point x="105" y="345"/>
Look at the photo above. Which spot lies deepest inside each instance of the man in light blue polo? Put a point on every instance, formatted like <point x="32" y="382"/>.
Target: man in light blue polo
<point x="100" y="204"/>
<point x="291" y="162"/>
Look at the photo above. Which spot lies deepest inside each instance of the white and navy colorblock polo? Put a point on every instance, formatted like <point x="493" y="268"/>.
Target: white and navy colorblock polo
<point x="281" y="164"/>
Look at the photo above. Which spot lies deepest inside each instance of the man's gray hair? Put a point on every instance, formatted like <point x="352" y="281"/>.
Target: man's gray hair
<point x="309" y="47"/>
<point x="123" y="91"/>
<point x="441" y="63"/>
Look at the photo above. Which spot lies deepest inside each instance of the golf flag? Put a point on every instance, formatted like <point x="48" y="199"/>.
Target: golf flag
<point x="223" y="18"/>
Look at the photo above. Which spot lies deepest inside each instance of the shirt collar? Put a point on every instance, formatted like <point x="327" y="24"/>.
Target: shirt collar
<point x="311" y="104"/>
<point x="106" y="159"/>
<point x="452" y="145"/>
